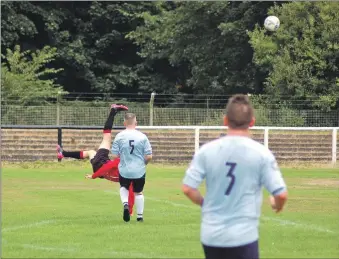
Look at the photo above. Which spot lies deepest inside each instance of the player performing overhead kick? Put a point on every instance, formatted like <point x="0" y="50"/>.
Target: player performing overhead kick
<point x="102" y="166"/>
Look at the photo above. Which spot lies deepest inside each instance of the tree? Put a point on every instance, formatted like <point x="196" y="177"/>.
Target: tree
<point x="302" y="57"/>
<point x="15" y="24"/>
<point x="206" y="43"/>
<point x="90" y="37"/>
<point x="26" y="77"/>
<point x="90" y="41"/>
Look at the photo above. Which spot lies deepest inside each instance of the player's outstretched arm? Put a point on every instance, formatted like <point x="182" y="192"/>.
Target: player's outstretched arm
<point x="105" y="169"/>
<point x="193" y="194"/>
<point x="278" y="201"/>
<point x="195" y="174"/>
<point x="147" y="151"/>
<point x="115" y="147"/>
<point x="274" y="183"/>
<point x="148" y="158"/>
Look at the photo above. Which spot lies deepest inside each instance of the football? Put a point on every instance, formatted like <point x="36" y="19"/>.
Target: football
<point x="272" y="23"/>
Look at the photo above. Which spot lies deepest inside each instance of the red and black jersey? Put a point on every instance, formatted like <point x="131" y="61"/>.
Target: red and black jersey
<point x="109" y="171"/>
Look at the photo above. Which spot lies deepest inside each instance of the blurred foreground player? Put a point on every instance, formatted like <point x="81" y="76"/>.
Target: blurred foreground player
<point x="235" y="168"/>
<point x="102" y="166"/>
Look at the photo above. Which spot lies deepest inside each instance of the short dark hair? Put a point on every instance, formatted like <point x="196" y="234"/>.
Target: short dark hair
<point x="239" y="112"/>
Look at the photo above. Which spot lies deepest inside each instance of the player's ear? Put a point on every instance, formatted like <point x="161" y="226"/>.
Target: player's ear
<point x="125" y="123"/>
<point x="225" y="120"/>
<point x="252" y="122"/>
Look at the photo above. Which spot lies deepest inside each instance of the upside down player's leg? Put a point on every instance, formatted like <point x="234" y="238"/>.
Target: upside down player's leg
<point x="75" y="154"/>
<point x="101" y="156"/>
<point x="105" y="144"/>
<point x="107" y="136"/>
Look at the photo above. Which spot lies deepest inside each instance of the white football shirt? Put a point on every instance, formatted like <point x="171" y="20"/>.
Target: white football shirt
<point x="131" y="146"/>
<point x="235" y="168"/>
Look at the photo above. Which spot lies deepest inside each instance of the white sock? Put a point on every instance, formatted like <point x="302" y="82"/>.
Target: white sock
<point x="140" y="202"/>
<point x="124" y="195"/>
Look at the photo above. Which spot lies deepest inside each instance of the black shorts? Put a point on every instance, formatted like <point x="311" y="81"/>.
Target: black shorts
<point x="100" y="158"/>
<point x="138" y="184"/>
<point x="249" y="251"/>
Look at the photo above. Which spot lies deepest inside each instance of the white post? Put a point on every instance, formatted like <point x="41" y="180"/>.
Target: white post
<point x="151" y="102"/>
<point x="196" y="139"/>
<point x="334" y="147"/>
<point x="208" y="109"/>
<point x="58" y="109"/>
<point x="266" y="137"/>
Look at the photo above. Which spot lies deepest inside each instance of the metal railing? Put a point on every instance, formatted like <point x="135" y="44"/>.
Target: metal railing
<point x="148" y="115"/>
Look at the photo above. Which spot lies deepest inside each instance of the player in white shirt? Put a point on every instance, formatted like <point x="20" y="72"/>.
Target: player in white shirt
<point x="235" y="168"/>
<point x="135" y="151"/>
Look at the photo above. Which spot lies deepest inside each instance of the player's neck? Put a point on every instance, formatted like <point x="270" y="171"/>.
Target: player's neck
<point x="238" y="132"/>
<point x="130" y="127"/>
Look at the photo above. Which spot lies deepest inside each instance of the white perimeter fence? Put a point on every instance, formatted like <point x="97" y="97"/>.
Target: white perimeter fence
<point x="175" y="144"/>
<point x="303" y="140"/>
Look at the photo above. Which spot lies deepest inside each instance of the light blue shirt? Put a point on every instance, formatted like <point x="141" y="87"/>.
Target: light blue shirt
<point x="235" y="168"/>
<point x="131" y="146"/>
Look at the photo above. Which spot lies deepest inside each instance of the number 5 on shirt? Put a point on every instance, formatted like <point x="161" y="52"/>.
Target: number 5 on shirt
<point x="131" y="144"/>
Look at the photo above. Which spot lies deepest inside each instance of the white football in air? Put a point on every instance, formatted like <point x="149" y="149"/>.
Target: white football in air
<point x="272" y="23"/>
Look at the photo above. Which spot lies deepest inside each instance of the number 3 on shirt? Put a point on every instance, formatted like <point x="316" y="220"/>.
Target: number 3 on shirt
<point x="131" y="144"/>
<point x="232" y="176"/>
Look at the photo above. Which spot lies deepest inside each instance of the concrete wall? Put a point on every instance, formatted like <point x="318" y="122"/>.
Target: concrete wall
<point x="168" y="145"/>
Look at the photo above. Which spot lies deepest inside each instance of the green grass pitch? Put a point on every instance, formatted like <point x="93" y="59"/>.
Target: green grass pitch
<point x="54" y="212"/>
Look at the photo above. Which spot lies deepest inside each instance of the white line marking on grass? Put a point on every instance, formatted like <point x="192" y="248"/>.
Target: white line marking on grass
<point x="172" y="203"/>
<point x="134" y="255"/>
<point x="159" y="200"/>
<point x="282" y="222"/>
<point x="36" y="224"/>
<point x="68" y="250"/>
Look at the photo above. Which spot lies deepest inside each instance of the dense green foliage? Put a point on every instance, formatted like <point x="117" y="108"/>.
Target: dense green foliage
<point x="207" y="43"/>
<point x="302" y="58"/>
<point x="25" y="77"/>
<point x="181" y="47"/>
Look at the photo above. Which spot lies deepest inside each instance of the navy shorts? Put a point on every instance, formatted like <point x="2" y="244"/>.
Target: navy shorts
<point x="249" y="251"/>
<point x="138" y="184"/>
<point x="100" y="158"/>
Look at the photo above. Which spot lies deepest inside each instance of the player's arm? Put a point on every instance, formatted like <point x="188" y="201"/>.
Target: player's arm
<point x="104" y="169"/>
<point x="193" y="194"/>
<point x="278" y="201"/>
<point x="115" y="148"/>
<point x="195" y="174"/>
<point x="147" y="151"/>
<point x="273" y="181"/>
<point x="148" y="158"/>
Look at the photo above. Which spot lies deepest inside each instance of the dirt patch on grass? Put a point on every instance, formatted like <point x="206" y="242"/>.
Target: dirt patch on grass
<point x="10" y="195"/>
<point x="323" y="182"/>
